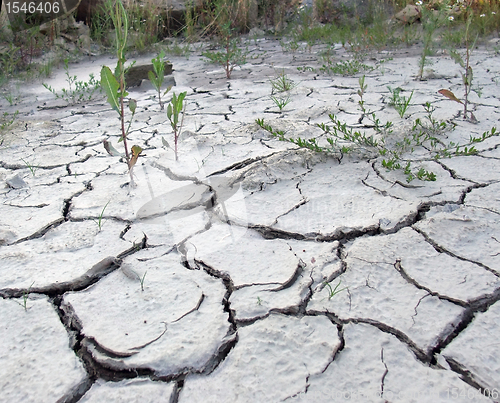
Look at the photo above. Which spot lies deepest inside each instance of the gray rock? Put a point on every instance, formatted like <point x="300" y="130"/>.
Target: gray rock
<point x="138" y="72"/>
<point x="16" y="182"/>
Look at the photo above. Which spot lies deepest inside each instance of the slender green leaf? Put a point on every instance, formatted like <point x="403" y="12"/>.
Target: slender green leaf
<point x="110" y="86"/>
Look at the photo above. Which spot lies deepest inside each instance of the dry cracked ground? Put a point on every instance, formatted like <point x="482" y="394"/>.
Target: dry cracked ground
<point x="207" y="281"/>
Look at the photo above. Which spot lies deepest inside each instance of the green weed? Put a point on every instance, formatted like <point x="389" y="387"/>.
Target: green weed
<point x="174" y="109"/>
<point x="78" y="91"/>
<point x="33" y="168"/>
<point x="7" y="119"/>
<point x="281" y="83"/>
<point x="26" y="295"/>
<point x="334" y="291"/>
<point x="281" y="101"/>
<point x="158" y="76"/>
<point x="399" y="102"/>
<point x="99" y="222"/>
<point x="345" y="68"/>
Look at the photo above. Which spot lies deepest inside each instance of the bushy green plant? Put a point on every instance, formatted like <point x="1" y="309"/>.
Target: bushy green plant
<point x="229" y="54"/>
<point x="394" y="152"/>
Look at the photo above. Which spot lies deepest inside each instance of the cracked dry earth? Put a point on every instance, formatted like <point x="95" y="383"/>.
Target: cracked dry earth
<point x="206" y="281"/>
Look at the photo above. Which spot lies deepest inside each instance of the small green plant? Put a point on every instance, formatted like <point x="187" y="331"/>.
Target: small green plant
<point x="174" y="109"/>
<point x="432" y="20"/>
<point x="99" y="222"/>
<point x="230" y="54"/>
<point x="399" y="102"/>
<point x="158" y="76"/>
<point x="11" y="99"/>
<point x="114" y="85"/>
<point x="7" y="119"/>
<point x="33" y="168"/>
<point x="229" y="57"/>
<point x="78" y="91"/>
<point x="142" y="280"/>
<point x="26" y="295"/>
<point x="334" y="291"/>
<point x="281" y="83"/>
<point x="281" y="101"/>
<point x="259" y="301"/>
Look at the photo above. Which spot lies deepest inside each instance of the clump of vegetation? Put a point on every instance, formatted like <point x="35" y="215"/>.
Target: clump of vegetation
<point x="229" y="54"/>
<point x="394" y="151"/>
<point x="77" y="91"/>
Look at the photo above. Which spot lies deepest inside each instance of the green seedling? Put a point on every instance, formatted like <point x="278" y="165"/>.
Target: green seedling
<point x="229" y="57"/>
<point x="7" y="120"/>
<point x="334" y="291"/>
<point x="259" y="301"/>
<point x="9" y="97"/>
<point x="142" y="280"/>
<point x="26" y="295"/>
<point x="174" y="109"/>
<point x="282" y="83"/>
<point x="399" y="102"/>
<point x="431" y="21"/>
<point x="158" y="76"/>
<point x="31" y="167"/>
<point x="113" y="84"/>
<point x="225" y="23"/>
<point x="281" y="101"/>
<point x="99" y="222"/>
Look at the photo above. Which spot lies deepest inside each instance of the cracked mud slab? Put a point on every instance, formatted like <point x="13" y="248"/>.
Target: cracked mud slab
<point x="374" y="366"/>
<point x="468" y="232"/>
<point x="129" y="391"/>
<point x="62" y="254"/>
<point x="272" y="361"/>
<point x="36" y="361"/>
<point x="175" y="321"/>
<point x="472" y="351"/>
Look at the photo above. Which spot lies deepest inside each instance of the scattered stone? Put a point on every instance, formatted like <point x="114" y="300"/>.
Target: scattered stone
<point x="16" y="182"/>
<point x="409" y="14"/>
<point x="138" y="72"/>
